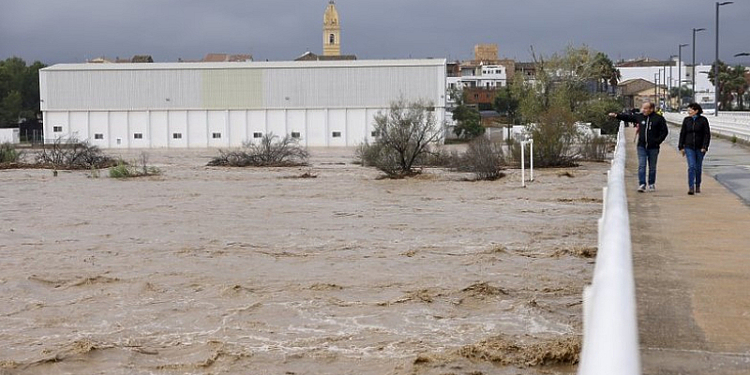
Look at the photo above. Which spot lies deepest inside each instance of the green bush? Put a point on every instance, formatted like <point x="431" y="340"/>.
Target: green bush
<point x="554" y="137"/>
<point x="9" y="154"/>
<point x="139" y="168"/>
<point x="121" y="170"/>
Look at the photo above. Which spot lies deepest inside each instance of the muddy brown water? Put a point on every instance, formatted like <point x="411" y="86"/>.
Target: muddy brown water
<point x="219" y="270"/>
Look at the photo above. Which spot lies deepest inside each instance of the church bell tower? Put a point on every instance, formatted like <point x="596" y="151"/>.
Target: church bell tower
<point x="331" y="31"/>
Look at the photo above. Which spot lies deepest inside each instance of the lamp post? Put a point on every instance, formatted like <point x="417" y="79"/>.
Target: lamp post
<point x="659" y="90"/>
<point x="656" y="85"/>
<point x="665" y="89"/>
<point x="693" y="75"/>
<point x="679" y="75"/>
<point x="669" y="83"/>
<point x="716" y="60"/>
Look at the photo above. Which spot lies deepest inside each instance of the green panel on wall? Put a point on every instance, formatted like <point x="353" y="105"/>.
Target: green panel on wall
<point x="233" y="89"/>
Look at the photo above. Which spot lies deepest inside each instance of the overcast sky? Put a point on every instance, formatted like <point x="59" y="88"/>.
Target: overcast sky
<point x="62" y="31"/>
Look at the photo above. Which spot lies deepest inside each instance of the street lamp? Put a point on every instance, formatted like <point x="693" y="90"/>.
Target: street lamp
<point x="679" y="74"/>
<point x="669" y="83"/>
<point x="658" y="90"/>
<point x="693" y="77"/>
<point x="716" y="60"/>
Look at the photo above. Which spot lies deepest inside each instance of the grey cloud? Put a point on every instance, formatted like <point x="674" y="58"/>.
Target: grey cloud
<point x="68" y="31"/>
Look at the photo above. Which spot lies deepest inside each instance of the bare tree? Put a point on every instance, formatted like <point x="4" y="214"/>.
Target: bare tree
<point x="71" y="153"/>
<point x="484" y="158"/>
<point x="404" y="134"/>
<point x="271" y="151"/>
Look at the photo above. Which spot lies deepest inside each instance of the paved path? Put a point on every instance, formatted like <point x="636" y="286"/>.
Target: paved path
<point x="692" y="271"/>
<point x="728" y="162"/>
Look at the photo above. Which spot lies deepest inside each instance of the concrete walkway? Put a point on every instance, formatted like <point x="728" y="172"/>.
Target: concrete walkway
<point x="692" y="271"/>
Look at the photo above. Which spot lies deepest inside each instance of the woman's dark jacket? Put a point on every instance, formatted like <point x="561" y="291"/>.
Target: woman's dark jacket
<point x="652" y="129"/>
<point x="695" y="133"/>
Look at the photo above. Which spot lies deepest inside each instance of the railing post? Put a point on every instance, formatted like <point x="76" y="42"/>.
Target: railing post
<point x="531" y="159"/>
<point x="523" y="163"/>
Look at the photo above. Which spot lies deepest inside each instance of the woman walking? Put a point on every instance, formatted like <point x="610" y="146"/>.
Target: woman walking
<point x="695" y="136"/>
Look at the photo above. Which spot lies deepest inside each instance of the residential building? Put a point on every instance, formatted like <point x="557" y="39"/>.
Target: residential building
<point x="479" y="78"/>
<point x="636" y="91"/>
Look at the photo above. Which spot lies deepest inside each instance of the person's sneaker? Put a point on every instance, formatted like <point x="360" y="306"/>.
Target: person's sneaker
<point x="691" y="191"/>
<point x="697" y="189"/>
<point x="651" y="188"/>
<point x="641" y="188"/>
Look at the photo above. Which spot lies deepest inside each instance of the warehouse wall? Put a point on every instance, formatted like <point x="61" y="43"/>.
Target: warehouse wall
<point x="203" y="128"/>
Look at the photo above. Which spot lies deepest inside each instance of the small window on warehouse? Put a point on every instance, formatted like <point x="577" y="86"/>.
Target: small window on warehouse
<point x="57" y="129"/>
<point x="216" y="135"/>
<point x="257" y="135"/>
<point x="336" y="134"/>
<point x="98" y="136"/>
<point x="295" y="135"/>
<point x="176" y="135"/>
<point x="138" y="136"/>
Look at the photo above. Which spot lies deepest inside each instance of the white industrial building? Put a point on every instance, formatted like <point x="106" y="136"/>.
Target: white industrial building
<point x="10" y="135"/>
<point x="198" y="105"/>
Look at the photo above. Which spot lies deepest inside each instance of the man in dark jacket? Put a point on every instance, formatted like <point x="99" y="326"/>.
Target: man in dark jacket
<point x="652" y="131"/>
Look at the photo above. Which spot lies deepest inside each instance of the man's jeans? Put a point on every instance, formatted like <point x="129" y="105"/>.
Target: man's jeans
<point x="650" y="156"/>
<point x="695" y="166"/>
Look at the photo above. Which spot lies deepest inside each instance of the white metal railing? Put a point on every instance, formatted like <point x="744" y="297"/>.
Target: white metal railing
<point x="727" y="123"/>
<point x="610" y="325"/>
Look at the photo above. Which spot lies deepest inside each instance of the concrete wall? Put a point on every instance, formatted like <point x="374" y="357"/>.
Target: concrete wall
<point x="10" y="135"/>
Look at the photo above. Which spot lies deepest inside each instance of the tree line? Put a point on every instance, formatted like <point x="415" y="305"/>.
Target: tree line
<point x="19" y="91"/>
<point x="575" y="83"/>
<point x="734" y="82"/>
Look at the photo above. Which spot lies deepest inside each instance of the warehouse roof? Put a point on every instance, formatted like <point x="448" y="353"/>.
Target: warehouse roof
<point x="247" y="65"/>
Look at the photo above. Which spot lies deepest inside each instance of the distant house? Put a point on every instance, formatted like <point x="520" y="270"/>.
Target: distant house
<point x="99" y="60"/>
<point x="142" y="59"/>
<point x="223" y="57"/>
<point x="636" y="91"/>
<point x="309" y="56"/>
<point x="118" y="60"/>
<point x="527" y="70"/>
<point x="479" y="78"/>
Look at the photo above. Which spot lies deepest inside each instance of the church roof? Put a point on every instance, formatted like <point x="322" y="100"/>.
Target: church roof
<point x="309" y="56"/>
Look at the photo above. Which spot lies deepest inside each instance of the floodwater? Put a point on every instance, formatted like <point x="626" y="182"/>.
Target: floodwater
<point x="211" y="270"/>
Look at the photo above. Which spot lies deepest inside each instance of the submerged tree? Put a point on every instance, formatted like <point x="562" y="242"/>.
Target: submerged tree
<point x="566" y="90"/>
<point x="403" y="135"/>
